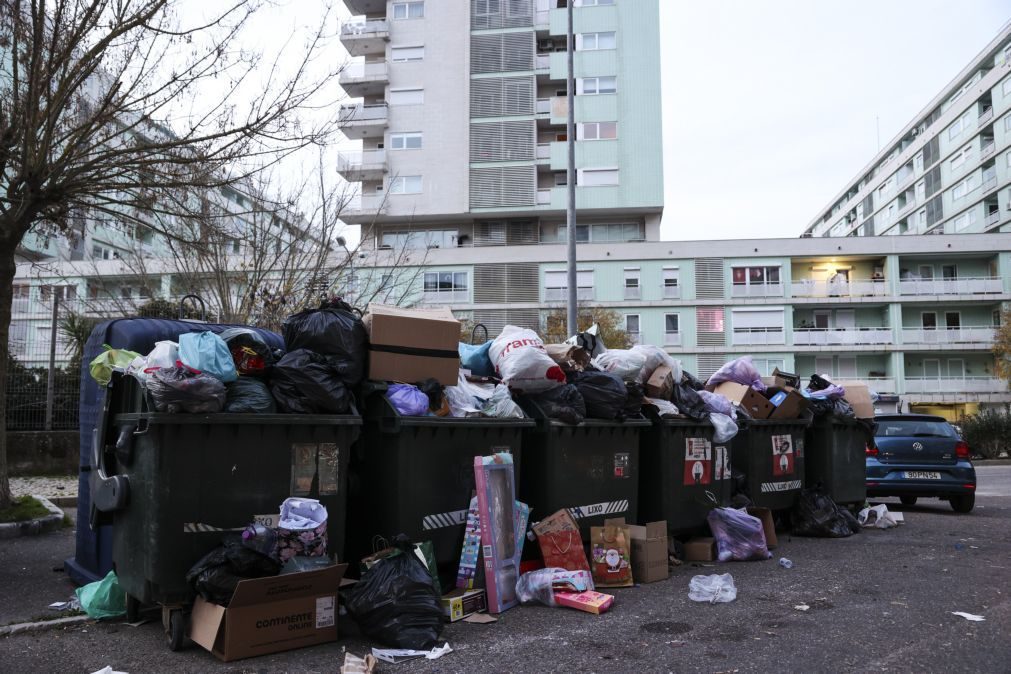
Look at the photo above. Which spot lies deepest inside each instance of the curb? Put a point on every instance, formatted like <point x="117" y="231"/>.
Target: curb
<point x="64" y="501"/>
<point x="41" y="525"/>
<point x="20" y="628"/>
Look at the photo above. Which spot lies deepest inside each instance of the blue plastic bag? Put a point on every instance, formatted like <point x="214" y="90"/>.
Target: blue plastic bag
<point x="208" y="353"/>
<point x="476" y="359"/>
<point x="408" y="400"/>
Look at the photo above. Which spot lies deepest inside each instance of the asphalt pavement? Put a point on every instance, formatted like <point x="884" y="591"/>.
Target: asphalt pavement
<point x="878" y="601"/>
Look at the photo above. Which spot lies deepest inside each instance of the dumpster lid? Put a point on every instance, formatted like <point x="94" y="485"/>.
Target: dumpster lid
<point x="235" y="419"/>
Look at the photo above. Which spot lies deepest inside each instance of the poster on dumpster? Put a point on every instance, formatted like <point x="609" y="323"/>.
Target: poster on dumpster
<point x="314" y="464"/>
<point x="721" y="463"/>
<point x="782" y="455"/>
<point x="698" y="461"/>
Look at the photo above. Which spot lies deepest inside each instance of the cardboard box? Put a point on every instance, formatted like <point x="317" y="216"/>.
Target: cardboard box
<point x="460" y="603"/>
<point x="591" y="602"/>
<point x="785" y="379"/>
<point x="649" y="550"/>
<point x="411" y="345"/>
<point x="768" y="525"/>
<point x="270" y="615"/>
<point x="791" y="405"/>
<point x="858" y="395"/>
<point x="700" y="549"/>
<point x="661" y="383"/>
<point x="751" y="401"/>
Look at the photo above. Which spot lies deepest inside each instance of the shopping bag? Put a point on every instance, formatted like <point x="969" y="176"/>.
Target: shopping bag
<point x="560" y="542"/>
<point x="610" y="554"/>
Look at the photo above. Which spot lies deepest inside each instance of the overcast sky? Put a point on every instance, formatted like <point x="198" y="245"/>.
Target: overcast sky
<point x="770" y="106"/>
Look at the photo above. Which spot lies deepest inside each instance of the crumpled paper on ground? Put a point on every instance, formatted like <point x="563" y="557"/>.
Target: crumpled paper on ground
<point x="877" y="517"/>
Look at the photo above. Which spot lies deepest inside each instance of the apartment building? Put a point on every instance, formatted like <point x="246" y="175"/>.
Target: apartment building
<point x="947" y="172"/>
<point x="462" y="120"/>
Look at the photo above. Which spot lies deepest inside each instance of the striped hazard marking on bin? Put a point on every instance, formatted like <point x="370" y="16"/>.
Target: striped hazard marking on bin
<point x="443" y="520"/>
<point x="200" y="528"/>
<point x="608" y="508"/>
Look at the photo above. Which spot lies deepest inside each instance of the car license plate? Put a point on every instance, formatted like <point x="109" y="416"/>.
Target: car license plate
<point x="922" y="475"/>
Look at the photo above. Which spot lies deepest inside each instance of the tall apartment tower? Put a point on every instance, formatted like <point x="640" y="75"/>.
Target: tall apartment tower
<point x="463" y="127"/>
<point x="948" y="171"/>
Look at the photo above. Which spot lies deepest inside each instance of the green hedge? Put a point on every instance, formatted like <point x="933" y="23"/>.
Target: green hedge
<point x="988" y="433"/>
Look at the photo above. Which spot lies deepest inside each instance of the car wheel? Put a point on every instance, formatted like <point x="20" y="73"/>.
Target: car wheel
<point x="963" y="504"/>
<point x="908" y="500"/>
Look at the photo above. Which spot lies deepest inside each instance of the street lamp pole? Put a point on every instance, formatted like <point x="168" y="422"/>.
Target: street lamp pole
<point x="570" y="181"/>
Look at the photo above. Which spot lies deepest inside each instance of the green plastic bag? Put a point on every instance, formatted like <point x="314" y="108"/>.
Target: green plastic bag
<point x="103" y="598"/>
<point x="104" y="363"/>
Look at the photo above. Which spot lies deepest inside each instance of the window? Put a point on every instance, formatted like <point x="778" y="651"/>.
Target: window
<point x="964" y="187"/>
<point x="1005" y="87"/>
<point x="1007" y="122"/>
<point x="949" y="271"/>
<point x="995" y="318"/>
<point x="432" y="238"/>
<point x="405" y="141"/>
<point x="597" y="131"/>
<point x="61" y="292"/>
<point x="404" y="54"/>
<point x="965" y="220"/>
<point x="959" y="157"/>
<point x="632" y="284"/>
<point x="921" y="190"/>
<point x="886" y="188"/>
<point x="556" y="285"/>
<point x="918" y="163"/>
<point x="756" y="276"/>
<point x="592" y="86"/>
<point x="446" y="286"/>
<point x="561" y="180"/>
<point x="758" y="326"/>
<point x="952" y="320"/>
<point x="604" y="233"/>
<point x="670" y="283"/>
<point x="632" y="325"/>
<point x="593" y="3"/>
<point x="928" y="320"/>
<point x="405" y="185"/>
<point x="407" y="96"/>
<point x="766" y="366"/>
<point x="597" y="177"/>
<point x="408" y="10"/>
<point x="672" y="329"/>
<point x="102" y="253"/>
<point x="959" y="125"/>
<point x="596" y="41"/>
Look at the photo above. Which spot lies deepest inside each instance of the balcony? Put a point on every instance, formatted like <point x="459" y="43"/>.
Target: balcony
<point x="981" y="384"/>
<point x="672" y="339"/>
<point x="841" y="336"/>
<point x="562" y="294"/>
<point x="826" y="288"/>
<point x="633" y="293"/>
<point x="985" y="116"/>
<point x="543" y="151"/>
<point x="758" y="336"/>
<point x="758" y="290"/>
<point x="446" y="296"/>
<point x="359" y="166"/>
<point x="987" y="149"/>
<point x="366" y="6"/>
<point x="983" y="334"/>
<point x="361" y="37"/>
<point x="542" y="61"/>
<point x="364" y="210"/>
<point x="672" y="292"/>
<point x="363" y="121"/>
<point x="544" y="197"/>
<point x="989" y="183"/>
<point x="991" y="219"/>
<point x="880" y="384"/>
<point x="991" y="285"/>
<point x="364" y="79"/>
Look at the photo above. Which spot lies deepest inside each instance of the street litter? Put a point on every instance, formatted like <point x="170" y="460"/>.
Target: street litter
<point x="73" y="604"/>
<point x="969" y="616"/>
<point x="785" y="563"/>
<point x="714" y="589"/>
<point x="802" y="607"/>
<point x="398" y="655"/>
<point x="104" y="598"/>
<point x="877" y="517"/>
<point x="109" y="670"/>
<point x="356" y="665"/>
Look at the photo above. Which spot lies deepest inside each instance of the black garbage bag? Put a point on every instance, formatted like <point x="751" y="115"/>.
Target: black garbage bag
<point x="693" y="383"/>
<point x="396" y="601"/>
<point x="180" y="389"/>
<point x="304" y="382"/>
<point x="604" y="393"/>
<point x="564" y="403"/>
<point x="435" y="391"/>
<point x="336" y="331"/>
<point x="251" y="353"/>
<point x="218" y="572"/>
<point x="816" y="514"/>
<point x="689" y="402"/>
<point x="247" y="395"/>
<point x="820" y="407"/>
<point x="634" y="395"/>
<point x="842" y="409"/>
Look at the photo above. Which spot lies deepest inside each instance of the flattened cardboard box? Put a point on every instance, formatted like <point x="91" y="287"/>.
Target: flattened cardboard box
<point x="858" y="395"/>
<point x="751" y="401"/>
<point x="649" y="550"/>
<point x="411" y="345"/>
<point x="791" y="407"/>
<point x="270" y="615"/>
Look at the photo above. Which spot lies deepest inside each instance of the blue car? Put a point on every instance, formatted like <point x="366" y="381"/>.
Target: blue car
<point x="920" y="455"/>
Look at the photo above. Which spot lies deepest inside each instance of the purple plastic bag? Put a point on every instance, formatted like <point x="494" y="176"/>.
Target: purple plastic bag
<point x="742" y="371"/>
<point x="833" y="392"/>
<point x="409" y="400"/>
<point x="739" y="536"/>
<point x="717" y="403"/>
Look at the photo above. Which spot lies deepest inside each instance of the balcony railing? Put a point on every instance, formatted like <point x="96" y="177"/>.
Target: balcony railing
<point x="543" y="150"/>
<point x="366" y="28"/>
<point x="446" y="296"/>
<point x="671" y="292"/>
<point x="633" y="293"/>
<point x="989" y="183"/>
<point x="843" y="336"/>
<point x="758" y="336"/>
<point x="983" y="334"/>
<point x="952" y="286"/>
<point x="364" y="72"/>
<point x="544" y="197"/>
<point x="985" y="116"/>
<point x="988" y="149"/>
<point x="825" y="288"/>
<point x="880" y="384"/>
<point x="542" y="61"/>
<point x="361" y="162"/>
<point x="672" y="339"/>
<point x="981" y="384"/>
<point x="991" y="219"/>
<point x="543" y="105"/>
<point x="377" y="112"/>
<point x="758" y="290"/>
<point x="562" y="294"/>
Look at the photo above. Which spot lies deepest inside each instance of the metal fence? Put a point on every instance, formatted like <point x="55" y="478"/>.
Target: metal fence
<point x="43" y="374"/>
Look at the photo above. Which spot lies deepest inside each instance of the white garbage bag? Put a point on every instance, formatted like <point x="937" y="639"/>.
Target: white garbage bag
<point x="523" y="363"/>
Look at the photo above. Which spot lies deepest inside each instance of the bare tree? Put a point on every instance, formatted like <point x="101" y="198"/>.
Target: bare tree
<point x="126" y="109"/>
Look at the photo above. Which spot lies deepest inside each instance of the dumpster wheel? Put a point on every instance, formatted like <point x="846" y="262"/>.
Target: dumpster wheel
<point x="175" y="628"/>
